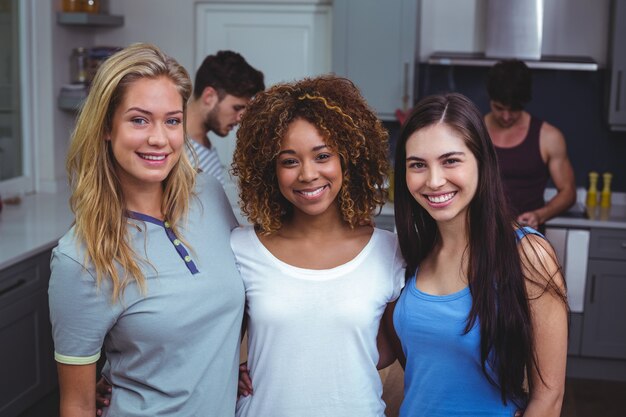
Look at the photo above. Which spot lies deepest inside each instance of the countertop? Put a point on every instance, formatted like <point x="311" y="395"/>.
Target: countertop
<point x="578" y="218"/>
<point x="33" y="226"/>
<point x="37" y="223"/>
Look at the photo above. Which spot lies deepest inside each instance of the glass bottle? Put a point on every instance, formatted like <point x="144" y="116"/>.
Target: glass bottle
<point x="78" y="66"/>
<point x="592" y="192"/>
<point x="605" y="195"/>
<point x="91" y="6"/>
<point x="72" y="6"/>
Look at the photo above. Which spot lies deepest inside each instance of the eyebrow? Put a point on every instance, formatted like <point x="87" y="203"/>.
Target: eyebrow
<point x="292" y="152"/>
<point x="140" y="110"/>
<point x="444" y="156"/>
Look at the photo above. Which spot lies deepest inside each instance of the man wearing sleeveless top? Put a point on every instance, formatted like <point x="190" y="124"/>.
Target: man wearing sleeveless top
<point x="530" y="150"/>
<point x="224" y="85"/>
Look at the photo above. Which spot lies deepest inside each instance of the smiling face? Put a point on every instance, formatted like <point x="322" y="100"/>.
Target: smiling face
<point x="441" y="172"/>
<point x="147" y="133"/>
<point x="225" y="115"/>
<point x="309" y="173"/>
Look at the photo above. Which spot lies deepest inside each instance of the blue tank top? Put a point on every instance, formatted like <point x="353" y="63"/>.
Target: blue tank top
<point x="443" y="374"/>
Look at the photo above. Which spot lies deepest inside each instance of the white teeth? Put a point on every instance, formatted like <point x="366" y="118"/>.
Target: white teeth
<point x="312" y="193"/>
<point x="152" y="157"/>
<point x="440" y="198"/>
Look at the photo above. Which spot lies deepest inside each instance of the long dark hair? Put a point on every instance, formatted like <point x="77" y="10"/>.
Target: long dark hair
<point x="495" y="278"/>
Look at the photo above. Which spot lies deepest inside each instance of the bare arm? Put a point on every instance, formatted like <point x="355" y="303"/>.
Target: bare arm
<point x="389" y="347"/>
<point x="554" y="151"/>
<point x="77" y="387"/>
<point x="548" y="309"/>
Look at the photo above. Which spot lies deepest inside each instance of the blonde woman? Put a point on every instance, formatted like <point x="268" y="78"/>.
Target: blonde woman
<point x="146" y="272"/>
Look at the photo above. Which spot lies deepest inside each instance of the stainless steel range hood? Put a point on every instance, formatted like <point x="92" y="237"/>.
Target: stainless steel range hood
<point x="514" y="30"/>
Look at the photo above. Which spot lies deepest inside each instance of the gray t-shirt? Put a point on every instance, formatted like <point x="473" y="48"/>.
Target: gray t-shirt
<point x="175" y="350"/>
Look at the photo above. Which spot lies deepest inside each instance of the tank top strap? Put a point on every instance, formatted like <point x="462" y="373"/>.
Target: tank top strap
<point x="526" y="230"/>
<point x="532" y="136"/>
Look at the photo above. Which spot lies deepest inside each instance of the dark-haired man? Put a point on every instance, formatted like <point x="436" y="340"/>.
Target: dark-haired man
<point x="530" y="151"/>
<point x="223" y="86"/>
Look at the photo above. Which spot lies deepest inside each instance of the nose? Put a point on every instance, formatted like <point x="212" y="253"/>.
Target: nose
<point x="308" y="172"/>
<point x="157" y="137"/>
<point x="436" y="178"/>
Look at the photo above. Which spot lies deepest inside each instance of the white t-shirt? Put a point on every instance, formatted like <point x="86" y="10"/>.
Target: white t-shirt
<point x="312" y="333"/>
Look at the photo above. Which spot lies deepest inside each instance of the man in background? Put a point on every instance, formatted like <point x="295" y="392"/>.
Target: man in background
<point x="529" y="150"/>
<point x="224" y="85"/>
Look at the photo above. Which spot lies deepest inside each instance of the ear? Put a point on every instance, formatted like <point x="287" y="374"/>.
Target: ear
<point x="210" y="97"/>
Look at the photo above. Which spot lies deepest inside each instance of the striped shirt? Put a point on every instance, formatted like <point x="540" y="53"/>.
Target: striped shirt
<point x="208" y="160"/>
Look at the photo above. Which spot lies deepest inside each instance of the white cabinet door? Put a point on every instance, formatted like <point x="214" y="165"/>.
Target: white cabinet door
<point x="286" y="42"/>
<point x="375" y="45"/>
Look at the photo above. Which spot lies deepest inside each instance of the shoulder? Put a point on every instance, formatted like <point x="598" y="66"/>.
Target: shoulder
<point x="551" y="138"/>
<point x="241" y="237"/>
<point x="68" y="263"/>
<point x="241" y="232"/>
<point x="387" y="245"/>
<point x="206" y="183"/>
<point x="210" y="192"/>
<point x="539" y="264"/>
<point x="70" y="248"/>
<point x="386" y="237"/>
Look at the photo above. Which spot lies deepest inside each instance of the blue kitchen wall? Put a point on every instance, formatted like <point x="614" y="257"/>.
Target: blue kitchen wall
<point x="573" y="101"/>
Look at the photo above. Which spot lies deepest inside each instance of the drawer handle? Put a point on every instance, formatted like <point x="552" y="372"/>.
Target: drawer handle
<point x="593" y="289"/>
<point x="12" y="287"/>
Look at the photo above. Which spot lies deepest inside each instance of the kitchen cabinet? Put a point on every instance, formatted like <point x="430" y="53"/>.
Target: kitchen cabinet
<point x="375" y="46"/>
<point x="604" y="332"/>
<point x="617" y="100"/>
<point x="71" y="99"/>
<point x="26" y="351"/>
<point x="575" y="243"/>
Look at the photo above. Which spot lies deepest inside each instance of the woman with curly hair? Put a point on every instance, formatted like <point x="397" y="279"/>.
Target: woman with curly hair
<point x="482" y="320"/>
<point x="147" y="263"/>
<point x="311" y="159"/>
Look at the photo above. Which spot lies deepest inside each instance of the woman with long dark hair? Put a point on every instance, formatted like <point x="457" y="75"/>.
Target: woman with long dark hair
<point x="482" y="321"/>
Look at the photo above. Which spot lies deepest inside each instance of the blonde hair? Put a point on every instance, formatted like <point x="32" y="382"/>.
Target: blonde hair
<point x="97" y="200"/>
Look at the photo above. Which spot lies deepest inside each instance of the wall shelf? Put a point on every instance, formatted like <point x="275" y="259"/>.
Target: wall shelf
<point x="89" y="19"/>
<point x="70" y="102"/>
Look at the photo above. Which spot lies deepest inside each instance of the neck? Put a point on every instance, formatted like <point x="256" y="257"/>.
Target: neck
<point x="195" y="123"/>
<point x="322" y="225"/>
<point x="145" y="200"/>
<point x="453" y="237"/>
<point x="493" y="125"/>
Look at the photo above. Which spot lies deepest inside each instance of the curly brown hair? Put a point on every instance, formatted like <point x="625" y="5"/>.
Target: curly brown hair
<point x="349" y="127"/>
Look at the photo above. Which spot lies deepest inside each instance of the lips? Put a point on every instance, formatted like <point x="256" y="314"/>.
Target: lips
<point x="440" y="198"/>
<point x="152" y="157"/>
<point x="312" y="192"/>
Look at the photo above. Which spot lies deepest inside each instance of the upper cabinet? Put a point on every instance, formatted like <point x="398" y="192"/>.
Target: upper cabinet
<point x="375" y="46"/>
<point x="617" y="100"/>
<point x="286" y="41"/>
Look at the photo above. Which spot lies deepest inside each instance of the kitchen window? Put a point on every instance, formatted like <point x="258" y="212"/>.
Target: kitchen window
<point x="15" y="167"/>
